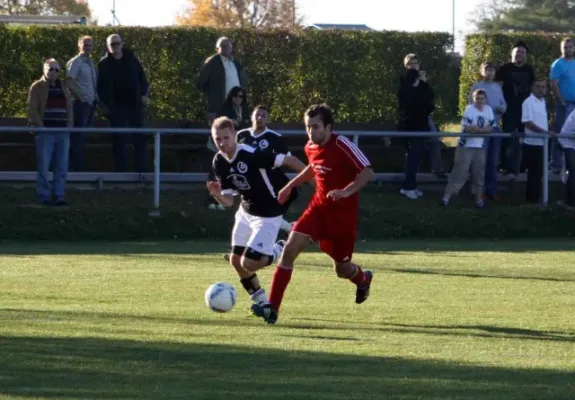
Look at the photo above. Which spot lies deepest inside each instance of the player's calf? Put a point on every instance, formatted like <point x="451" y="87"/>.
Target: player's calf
<point x="357" y="276"/>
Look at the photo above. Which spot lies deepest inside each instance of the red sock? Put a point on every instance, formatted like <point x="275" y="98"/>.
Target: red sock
<point x="358" y="277"/>
<point x="280" y="281"/>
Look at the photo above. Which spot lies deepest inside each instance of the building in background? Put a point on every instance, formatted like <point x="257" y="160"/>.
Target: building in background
<point x="23" y="19"/>
<point x="346" y="27"/>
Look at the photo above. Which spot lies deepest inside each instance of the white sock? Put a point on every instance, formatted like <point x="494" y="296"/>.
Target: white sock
<point x="285" y="226"/>
<point x="260" y="297"/>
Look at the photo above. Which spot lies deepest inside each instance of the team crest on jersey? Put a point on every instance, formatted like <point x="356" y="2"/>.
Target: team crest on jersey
<point x="240" y="182"/>
<point x="264" y="144"/>
<point x="242" y="167"/>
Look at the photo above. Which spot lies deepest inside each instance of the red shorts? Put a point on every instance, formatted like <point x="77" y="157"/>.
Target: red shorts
<point x="335" y="231"/>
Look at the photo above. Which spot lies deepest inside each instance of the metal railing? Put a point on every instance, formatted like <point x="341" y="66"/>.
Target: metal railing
<point x="158" y="132"/>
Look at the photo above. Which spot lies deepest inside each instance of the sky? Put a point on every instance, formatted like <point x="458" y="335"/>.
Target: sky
<point x="411" y="15"/>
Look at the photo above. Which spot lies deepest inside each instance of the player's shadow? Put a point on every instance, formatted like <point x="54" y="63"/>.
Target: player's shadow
<point x="418" y="271"/>
<point x="90" y="368"/>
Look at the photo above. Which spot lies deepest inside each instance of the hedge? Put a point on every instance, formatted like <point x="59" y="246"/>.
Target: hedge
<point x="544" y="48"/>
<point x="123" y="215"/>
<point x="356" y="72"/>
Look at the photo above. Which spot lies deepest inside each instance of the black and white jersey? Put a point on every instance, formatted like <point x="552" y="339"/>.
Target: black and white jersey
<point x="268" y="140"/>
<point x="247" y="173"/>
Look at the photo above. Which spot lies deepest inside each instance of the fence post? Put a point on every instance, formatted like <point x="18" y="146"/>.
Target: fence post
<point x="155" y="212"/>
<point x="545" y="183"/>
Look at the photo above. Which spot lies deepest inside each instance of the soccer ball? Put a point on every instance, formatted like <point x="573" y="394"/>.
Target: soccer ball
<point x="221" y="297"/>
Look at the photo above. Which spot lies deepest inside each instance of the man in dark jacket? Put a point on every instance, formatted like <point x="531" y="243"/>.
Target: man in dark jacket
<point x="123" y="92"/>
<point x="219" y="74"/>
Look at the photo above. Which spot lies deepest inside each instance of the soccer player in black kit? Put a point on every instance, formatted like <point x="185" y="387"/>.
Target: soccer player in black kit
<point x="242" y="170"/>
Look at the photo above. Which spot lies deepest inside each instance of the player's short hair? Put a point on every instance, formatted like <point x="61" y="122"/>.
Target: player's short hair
<point x="486" y="64"/>
<point x="221" y="41"/>
<point x="83" y="38"/>
<point x="477" y="92"/>
<point x="222" y="123"/>
<point x="566" y="39"/>
<point x="261" y="107"/>
<point x="50" y="60"/>
<point x="409" y="57"/>
<point x="520" y="44"/>
<point x="324" y="111"/>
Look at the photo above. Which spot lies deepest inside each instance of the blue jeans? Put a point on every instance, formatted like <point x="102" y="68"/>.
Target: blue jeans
<point x="83" y="118"/>
<point x="561" y="114"/>
<point x="52" y="148"/>
<point x="493" y="148"/>
<point x="129" y="117"/>
<point x="415" y="149"/>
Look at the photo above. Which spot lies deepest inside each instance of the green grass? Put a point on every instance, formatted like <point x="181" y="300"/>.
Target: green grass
<point x="446" y="320"/>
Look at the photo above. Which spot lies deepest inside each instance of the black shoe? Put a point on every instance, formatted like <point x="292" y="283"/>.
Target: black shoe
<point x="266" y="312"/>
<point x="440" y="174"/>
<point x="362" y="292"/>
<point x="61" y="203"/>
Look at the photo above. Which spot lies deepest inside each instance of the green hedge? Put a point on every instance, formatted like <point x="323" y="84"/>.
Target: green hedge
<point x="543" y="50"/>
<point x="384" y="214"/>
<point x="356" y="72"/>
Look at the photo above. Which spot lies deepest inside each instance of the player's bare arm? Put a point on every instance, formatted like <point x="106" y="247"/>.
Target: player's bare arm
<point x="215" y="190"/>
<point x="360" y="181"/>
<point x="304" y="176"/>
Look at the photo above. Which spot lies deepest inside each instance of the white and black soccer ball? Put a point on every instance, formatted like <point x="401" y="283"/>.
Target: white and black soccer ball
<point x="221" y="297"/>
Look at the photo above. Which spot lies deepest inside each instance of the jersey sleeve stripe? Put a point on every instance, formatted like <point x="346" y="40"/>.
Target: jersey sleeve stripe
<point x="353" y="152"/>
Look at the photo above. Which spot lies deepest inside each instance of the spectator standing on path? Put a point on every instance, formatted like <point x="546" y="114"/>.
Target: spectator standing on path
<point x="562" y="76"/>
<point x="492" y="145"/>
<point x="236" y="108"/>
<point x="411" y="61"/>
<point x="220" y="74"/>
<point x="123" y="91"/>
<point x="534" y="116"/>
<point x="516" y="78"/>
<point x="415" y="99"/>
<point x="50" y="106"/>
<point x="82" y="71"/>
<point x="568" y="146"/>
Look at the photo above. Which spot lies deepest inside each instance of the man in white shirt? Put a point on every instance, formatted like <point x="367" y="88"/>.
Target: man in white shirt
<point x="478" y="119"/>
<point x="534" y="117"/>
<point x="568" y="145"/>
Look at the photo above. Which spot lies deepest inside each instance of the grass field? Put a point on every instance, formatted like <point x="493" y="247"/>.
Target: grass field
<point x="459" y="320"/>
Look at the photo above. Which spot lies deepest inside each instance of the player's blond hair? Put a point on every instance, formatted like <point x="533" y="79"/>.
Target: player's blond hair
<point x="223" y="123"/>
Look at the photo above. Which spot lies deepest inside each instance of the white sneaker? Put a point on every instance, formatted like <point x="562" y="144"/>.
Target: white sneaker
<point x="278" y="249"/>
<point x="220" y="207"/>
<point x="418" y="192"/>
<point x="410" y="194"/>
<point x="212" y="206"/>
<point x="564" y="175"/>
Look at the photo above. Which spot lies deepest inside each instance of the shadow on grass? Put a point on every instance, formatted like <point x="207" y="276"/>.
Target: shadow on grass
<point x="194" y="248"/>
<point x="472" y="275"/>
<point x="90" y="368"/>
<point x="307" y="324"/>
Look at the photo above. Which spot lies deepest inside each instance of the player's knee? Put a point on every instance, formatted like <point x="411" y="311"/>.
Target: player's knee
<point x="253" y="260"/>
<point x="343" y="270"/>
<point x="236" y="261"/>
<point x="294" y="246"/>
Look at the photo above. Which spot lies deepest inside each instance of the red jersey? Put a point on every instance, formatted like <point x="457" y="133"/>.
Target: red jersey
<point x="335" y="166"/>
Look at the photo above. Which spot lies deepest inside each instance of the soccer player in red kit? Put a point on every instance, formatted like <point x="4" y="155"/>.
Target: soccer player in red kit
<point x="340" y="170"/>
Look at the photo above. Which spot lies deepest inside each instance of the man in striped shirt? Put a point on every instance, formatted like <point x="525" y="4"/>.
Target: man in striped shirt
<point x="50" y="106"/>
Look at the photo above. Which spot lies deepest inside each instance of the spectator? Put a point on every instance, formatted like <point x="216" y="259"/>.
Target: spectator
<point x="82" y="71"/>
<point x="516" y="78"/>
<point x="534" y="117"/>
<point x="411" y="61"/>
<point x="236" y="108"/>
<point x="568" y="145"/>
<point x="50" y="106"/>
<point x="562" y="78"/>
<point x="415" y="106"/>
<point x="220" y="73"/>
<point x="492" y="145"/>
<point x="478" y="118"/>
<point x="123" y="92"/>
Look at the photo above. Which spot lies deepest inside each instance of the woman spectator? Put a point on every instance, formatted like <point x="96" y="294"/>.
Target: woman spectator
<point x="415" y="99"/>
<point x="236" y="108"/>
